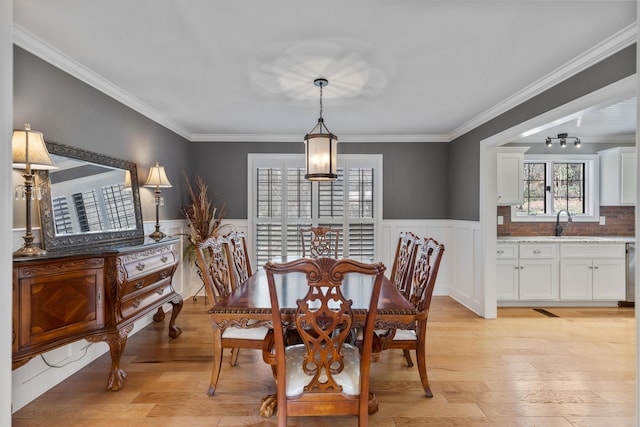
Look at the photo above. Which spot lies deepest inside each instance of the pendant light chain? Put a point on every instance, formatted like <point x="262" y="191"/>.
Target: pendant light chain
<point x="321" y="101"/>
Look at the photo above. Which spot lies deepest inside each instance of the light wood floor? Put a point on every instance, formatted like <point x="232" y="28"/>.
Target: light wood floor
<point x="523" y="369"/>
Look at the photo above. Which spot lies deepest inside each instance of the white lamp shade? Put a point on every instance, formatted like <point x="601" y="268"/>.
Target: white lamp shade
<point x="127" y="181"/>
<point x="321" y="157"/>
<point x="29" y="149"/>
<point x="157" y="177"/>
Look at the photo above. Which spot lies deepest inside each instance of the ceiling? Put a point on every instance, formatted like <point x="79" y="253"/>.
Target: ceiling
<point x="411" y="70"/>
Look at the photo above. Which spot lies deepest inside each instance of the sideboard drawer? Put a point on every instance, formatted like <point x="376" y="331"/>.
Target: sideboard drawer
<point x="142" y="263"/>
<point x="139" y="303"/>
<point x="145" y="280"/>
<point x="140" y="283"/>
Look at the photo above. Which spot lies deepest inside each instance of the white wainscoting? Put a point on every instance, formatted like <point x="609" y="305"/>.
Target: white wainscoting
<point x="459" y="277"/>
<point x="459" y="274"/>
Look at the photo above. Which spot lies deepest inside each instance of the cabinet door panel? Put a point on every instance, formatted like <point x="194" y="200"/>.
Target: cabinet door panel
<point x="608" y="279"/>
<point x="576" y="277"/>
<point x="507" y="284"/>
<point x="59" y="305"/>
<point x="510" y="178"/>
<point x="538" y="280"/>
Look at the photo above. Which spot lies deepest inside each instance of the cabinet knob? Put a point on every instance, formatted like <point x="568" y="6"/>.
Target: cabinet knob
<point x="137" y="303"/>
<point x="595" y="267"/>
<point x="537" y="251"/>
<point x="163" y="275"/>
<point x="160" y="291"/>
<point x="140" y="266"/>
<point x="500" y="251"/>
<point x="140" y="284"/>
<point x="164" y="258"/>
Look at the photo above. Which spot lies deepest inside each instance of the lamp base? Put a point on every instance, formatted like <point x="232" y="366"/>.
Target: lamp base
<point x="29" y="251"/>
<point x="157" y="235"/>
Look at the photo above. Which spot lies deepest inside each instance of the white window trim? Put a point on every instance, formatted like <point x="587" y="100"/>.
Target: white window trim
<point x="592" y="188"/>
<point x="253" y="158"/>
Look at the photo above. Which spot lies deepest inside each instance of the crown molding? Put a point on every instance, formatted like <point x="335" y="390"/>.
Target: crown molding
<point x="300" y="138"/>
<point x="48" y="53"/>
<point x="623" y="38"/>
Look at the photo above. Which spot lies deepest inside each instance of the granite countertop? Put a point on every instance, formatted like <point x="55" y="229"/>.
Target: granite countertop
<point x="565" y="239"/>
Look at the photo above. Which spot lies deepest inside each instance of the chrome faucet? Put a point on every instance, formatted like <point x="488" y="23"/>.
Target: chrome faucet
<point x="559" y="228"/>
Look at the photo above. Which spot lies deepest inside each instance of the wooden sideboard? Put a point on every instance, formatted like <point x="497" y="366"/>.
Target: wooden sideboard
<point x="97" y="296"/>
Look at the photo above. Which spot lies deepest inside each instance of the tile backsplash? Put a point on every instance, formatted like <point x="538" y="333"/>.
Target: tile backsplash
<point x="619" y="221"/>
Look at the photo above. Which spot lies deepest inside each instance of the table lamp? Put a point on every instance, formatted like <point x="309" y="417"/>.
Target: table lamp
<point x="157" y="178"/>
<point x="29" y="153"/>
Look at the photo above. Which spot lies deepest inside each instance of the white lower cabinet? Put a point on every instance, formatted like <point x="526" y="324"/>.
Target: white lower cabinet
<point x="527" y="272"/>
<point x="561" y="271"/>
<point x="508" y="272"/>
<point x="592" y="272"/>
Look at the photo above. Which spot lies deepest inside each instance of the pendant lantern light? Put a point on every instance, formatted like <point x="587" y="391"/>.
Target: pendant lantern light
<point x="321" y="148"/>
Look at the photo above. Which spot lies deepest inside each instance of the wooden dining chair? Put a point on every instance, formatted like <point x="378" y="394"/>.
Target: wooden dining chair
<point x="423" y="281"/>
<point x="404" y="262"/>
<point x="325" y="375"/>
<point x="216" y="274"/>
<point x="235" y="246"/>
<point x="322" y="241"/>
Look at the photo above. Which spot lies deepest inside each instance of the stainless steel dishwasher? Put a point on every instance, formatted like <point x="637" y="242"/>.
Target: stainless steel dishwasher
<point x="630" y="295"/>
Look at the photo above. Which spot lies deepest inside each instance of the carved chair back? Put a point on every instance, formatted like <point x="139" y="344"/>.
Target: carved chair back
<point x="312" y="378"/>
<point x="425" y="272"/>
<point x="404" y="262"/>
<point x="322" y="241"/>
<point x="235" y="245"/>
<point x="214" y="269"/>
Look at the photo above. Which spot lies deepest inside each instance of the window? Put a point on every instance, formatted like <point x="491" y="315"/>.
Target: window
<point x="62" y="215"/>
<point x="119" y="207"/>
<point x="552" y="183"/>
<point x="285" y="202"/>
<point x="87" y="210"/>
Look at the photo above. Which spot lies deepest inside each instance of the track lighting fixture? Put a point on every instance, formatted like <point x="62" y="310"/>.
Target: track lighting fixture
<point x="562" y="138"/>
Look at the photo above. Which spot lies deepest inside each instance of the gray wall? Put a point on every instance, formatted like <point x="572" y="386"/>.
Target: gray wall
<point x="421" y="180"/>
<point x="415" y="174"/>
<point x="71" y="112"/>
<point x="464" y="167"/>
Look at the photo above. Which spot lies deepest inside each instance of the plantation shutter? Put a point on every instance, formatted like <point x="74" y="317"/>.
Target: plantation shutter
<point x="119" y="207"/>
<point x="286" y="202"/>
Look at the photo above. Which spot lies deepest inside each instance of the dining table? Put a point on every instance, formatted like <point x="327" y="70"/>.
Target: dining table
<point x="249" y="306"/>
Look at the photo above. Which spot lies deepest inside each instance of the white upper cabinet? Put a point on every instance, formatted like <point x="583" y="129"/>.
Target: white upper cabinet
<point x="618" y="176"/>
<point x="510" y="175"/>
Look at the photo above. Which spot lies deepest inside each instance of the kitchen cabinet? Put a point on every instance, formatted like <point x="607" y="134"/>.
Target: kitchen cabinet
<point x="618" y="176"/>
<point x="510" y="170"/>
<point x="527" y="271"/>
<point x="592" y="272"/>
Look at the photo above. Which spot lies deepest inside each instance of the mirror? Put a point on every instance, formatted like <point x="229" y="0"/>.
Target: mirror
<point x="86" y="201"/>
